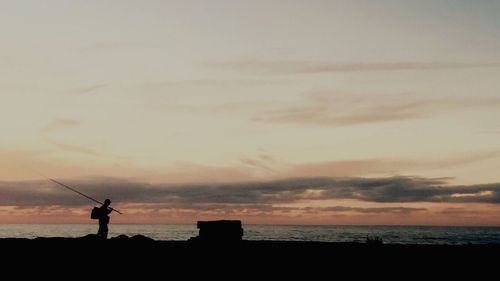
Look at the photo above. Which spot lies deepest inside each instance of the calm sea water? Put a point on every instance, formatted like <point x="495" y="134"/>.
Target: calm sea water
<point x="389" y="234"/>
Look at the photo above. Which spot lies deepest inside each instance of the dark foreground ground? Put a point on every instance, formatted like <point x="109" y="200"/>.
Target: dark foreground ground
<point x="142" y="254"/>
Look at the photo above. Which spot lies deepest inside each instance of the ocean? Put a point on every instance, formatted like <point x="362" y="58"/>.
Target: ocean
<point x="334" y="233"/>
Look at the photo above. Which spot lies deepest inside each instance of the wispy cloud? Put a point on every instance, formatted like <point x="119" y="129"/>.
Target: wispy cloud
<point x="60" y="125"/>
<point x="267" y="193"/>
<point x="262" y="161"/>
<point x="491" y="132"/>
<point x="343" y="209"/>
<point x="386" y="166"/>
<point x="311" y="67"/>
<point x="90" y="89"/>
<point x="333" y="110"/>
<point x="76" y="148"/>
<point x="454" y="211"/>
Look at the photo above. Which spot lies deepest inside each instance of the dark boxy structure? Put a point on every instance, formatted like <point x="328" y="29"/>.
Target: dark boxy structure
<point x="221" y="230"/>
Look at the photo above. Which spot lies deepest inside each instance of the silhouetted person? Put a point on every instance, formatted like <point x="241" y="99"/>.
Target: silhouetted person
<point x="104" y="211"/>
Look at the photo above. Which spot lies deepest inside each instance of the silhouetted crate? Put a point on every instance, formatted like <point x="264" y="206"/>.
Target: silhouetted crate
<point x="221" y="230"/>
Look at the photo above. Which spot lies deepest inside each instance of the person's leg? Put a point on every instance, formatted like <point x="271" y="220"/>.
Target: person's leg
<point x="105" y="231"/>
<point x="102" y="232"/>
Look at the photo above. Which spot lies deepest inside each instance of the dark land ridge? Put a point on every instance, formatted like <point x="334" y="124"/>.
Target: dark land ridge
<point x="219" y="251"/>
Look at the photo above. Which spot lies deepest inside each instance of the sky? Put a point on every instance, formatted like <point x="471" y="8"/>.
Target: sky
<point x="274" y="112"/>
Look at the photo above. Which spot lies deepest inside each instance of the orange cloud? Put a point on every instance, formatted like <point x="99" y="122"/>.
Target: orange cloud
<point x="427" y="214"/>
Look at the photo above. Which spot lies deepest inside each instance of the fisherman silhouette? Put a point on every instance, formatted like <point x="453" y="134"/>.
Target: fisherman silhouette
<point x="104" y="211"/>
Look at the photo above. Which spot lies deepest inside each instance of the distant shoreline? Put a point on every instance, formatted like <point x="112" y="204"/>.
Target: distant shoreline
<point x="142" y="240"/>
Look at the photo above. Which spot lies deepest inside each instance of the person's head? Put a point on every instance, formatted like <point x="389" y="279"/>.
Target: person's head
<point x="107" y="202"/>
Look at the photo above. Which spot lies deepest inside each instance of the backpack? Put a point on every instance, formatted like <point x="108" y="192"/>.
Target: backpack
<point x="94" y="214"/>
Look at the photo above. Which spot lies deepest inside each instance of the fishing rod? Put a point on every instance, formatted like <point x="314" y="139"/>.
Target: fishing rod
<point x="74" y="190"/>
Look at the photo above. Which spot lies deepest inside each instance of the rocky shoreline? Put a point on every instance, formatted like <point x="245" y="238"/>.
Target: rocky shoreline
<point x="147" y="259"/>
<point x="265" y="249"/>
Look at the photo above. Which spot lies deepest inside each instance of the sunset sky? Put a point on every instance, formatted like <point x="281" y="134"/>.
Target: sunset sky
<point x="286" y="112"/>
